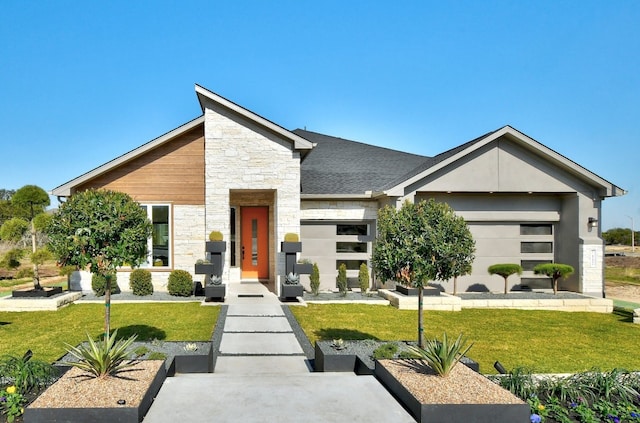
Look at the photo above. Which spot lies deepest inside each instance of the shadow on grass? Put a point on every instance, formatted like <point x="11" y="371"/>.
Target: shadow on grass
<point x="4" y="323"/>
<point x="144" y="332"/>
<point x="328" y="334"/>
<point x="624" y="315"/>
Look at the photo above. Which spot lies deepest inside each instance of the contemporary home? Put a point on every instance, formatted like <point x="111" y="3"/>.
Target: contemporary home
<point x="231" y="170"/>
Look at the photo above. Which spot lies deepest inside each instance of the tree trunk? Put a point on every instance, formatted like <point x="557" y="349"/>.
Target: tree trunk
<point x="555" y="286"/>
<point x="505" y="286"/>
<point x="455" y="285"/>
<point x="36" y="275"/>
<point x="420" y="319"/>
<point x="107" y="306"/>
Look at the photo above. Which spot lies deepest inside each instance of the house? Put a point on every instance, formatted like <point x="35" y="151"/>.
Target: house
<point x="233" y="171"/>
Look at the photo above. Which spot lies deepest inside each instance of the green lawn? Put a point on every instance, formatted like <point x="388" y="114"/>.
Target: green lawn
<point x="545" y="341"/>
<point x="627" y="275"/>
<point x="46" y="332"/>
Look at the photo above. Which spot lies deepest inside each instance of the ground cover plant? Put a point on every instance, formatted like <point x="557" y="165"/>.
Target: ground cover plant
<point x="549" y="341"/>
<point x="46" y="332"/>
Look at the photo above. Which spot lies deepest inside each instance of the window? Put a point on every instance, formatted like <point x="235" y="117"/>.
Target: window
<point x="536" y="229"/>
<point x="353" y="229"/>
<point x="159" y="245"/>
<point x="528" y="265"/>
<point x="351" y="264"/>
<point x="536" y="247"/>
<point x="351" y="247"/>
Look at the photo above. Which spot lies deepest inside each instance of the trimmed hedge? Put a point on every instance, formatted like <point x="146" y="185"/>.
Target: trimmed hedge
<point x="99" y="282"/>
<point x="140" y="282"/>
<point x="180" y="283"/>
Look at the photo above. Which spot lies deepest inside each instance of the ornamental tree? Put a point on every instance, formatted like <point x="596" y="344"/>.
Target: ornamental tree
<point x="100" y="230"/>
<point x="35" y="200"/>
<point x="419" y="243"/>
<point x="505" y="270"/>
<point x="555" y="271"/>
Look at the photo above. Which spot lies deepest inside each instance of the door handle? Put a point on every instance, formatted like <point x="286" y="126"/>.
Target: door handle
<point x="243" y="252"/>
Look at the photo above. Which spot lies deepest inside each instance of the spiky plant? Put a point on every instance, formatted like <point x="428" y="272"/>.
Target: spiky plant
<point x="442" y="356"/>
<point x="103" y="358"/>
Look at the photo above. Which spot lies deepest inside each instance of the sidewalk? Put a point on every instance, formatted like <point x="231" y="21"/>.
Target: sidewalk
<point x="262" y="374"/>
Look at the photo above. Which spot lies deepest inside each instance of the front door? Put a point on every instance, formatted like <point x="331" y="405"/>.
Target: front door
<point x="255" y="242"/>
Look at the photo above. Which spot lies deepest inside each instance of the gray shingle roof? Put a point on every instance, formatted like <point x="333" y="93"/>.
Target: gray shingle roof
<point x="340" y="166"/>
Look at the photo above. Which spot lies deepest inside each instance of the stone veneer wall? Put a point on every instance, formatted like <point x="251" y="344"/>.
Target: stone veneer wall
<point x="239" y="155"/>
<point x="591" y="261"/>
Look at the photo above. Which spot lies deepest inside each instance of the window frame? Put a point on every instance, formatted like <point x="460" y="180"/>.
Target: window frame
<point x="148" y="264"/>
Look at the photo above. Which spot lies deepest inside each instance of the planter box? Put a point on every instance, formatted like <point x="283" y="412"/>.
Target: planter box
<point x="291" y="247"/>
<point x="302" y="268"/>
<point x="291" y="291"/>
<point x="215" y="291"/>
<point x="216" y="246"/>
<point x="511" y="410"/>
<point x="431" y="292"/>
<point x="76" y="413"/>
<point x="204" y="269"/>
<point x="328" y="359"/>
<point x="37" y="293"/>
<point x="200" y="361"/>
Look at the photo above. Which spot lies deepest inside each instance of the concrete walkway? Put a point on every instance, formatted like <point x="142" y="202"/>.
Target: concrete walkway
<point x="262" y="374"/>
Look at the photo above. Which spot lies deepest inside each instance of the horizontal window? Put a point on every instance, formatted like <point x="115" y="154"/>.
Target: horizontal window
<point x="351" y="247"/>
<point x="354" y="229"/>
<point x="528" y="265"/>
<point x="351" y="264"/>
<point x="536" y="247"/>
<point x="536" y="229"/>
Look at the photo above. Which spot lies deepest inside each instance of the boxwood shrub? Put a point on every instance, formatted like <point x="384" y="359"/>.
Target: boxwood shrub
<point x="140" y="282"/>
<point x="180" y="283"/>
<point x="99" y="282"/>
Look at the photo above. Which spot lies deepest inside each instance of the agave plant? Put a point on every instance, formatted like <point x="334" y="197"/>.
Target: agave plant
<point x="442" y="356"/>
<point x="103" y="358"/>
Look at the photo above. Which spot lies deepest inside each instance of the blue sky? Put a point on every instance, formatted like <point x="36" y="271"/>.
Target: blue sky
<point x="84" y="82"/>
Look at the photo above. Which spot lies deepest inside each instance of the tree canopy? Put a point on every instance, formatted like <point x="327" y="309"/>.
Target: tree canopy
<point x="555" y="271"/>
<point x="100" y="230"/>
<point x="505" y="270"/>
<point x="419" y="243"/>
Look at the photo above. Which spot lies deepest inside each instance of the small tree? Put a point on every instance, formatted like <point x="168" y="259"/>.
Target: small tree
<point x="36" y="199"/>
<point x="14" y="229"/>
<point x="314" y="279"/>
<point x="505" y="270"/>
<point x="418" y="243"/>
<point x="101" y="230"/>
<point x="555" y="271"/>
<point x="341" y="281"/>
<point x="363" y="278"/>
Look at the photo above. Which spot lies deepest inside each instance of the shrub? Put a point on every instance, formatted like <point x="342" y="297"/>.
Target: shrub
<point x="363" y="278"/>
<point x="103" y="358"/>
<point x="385" y="351"/>
<point x="291" y="237"/>
<point x="555" y="271"/>
<point x="314" y="279"/>
<point x="11" y="259"/>
<point x="140" y="282"/>
<point x="342" y="279"/>
<point x="14" y="229"/>
<point x="180" y="283"/>
<point x="442" y="356"/>
<point x="215" y="236"/>
<point x="99" y="282"/>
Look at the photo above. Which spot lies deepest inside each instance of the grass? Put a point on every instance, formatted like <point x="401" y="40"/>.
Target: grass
<point x="46" y="332"/>
<point x="628" y="275"/>
<point x="546" y="341"/>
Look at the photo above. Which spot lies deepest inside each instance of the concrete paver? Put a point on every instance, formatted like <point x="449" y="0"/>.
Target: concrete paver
<point x="255" y="365"/>
<point x="256" y="324"/>
<point x="260" y="343"/>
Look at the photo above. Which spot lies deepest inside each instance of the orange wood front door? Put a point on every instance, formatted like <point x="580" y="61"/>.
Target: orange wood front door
<point x="255" y="242"/>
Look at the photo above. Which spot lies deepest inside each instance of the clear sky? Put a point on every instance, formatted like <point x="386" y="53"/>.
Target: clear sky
<point x="83" y="82"/>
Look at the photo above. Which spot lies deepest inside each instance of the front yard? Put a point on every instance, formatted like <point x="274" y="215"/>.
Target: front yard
<point x="46" y="332"/>
<point x="545" y="341"/>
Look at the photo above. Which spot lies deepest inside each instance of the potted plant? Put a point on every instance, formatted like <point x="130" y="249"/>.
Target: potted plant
<point x="291" y="288"/>
<point x="216" y="243"/>
<point x="215" y="288"/>
<point x="291" y="243"/>
<point x="303" y="267"/>
<point x="204" y="267"/>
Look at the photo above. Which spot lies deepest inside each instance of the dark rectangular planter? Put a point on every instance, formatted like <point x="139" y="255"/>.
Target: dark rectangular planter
<point x="204" y="269"/>
<point x="427" y="292"/>
<point x="215" y="291"/>
<point x="216" y="247"/>
<point x="327" y="359"/>
<point x="117" y="413"/>
<point x="452" y="413"/>
<point x="291" y="247"/>
<point x="37" y="293"/>
<point x="197" y="362"/>
<point x="291" y="291"/>
<point x="302" y="268"/>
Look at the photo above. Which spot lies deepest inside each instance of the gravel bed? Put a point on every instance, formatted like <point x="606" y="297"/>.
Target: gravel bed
<point x="128" y="296"/>
<point x="335" y="296"/>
